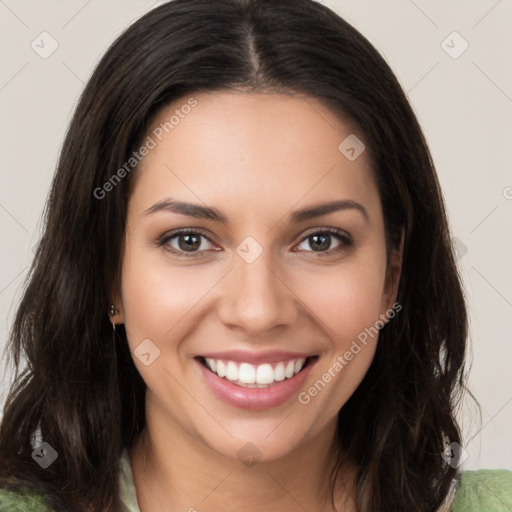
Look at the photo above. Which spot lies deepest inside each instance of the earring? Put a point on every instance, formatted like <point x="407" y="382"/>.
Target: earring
<point x="113" y="312"/>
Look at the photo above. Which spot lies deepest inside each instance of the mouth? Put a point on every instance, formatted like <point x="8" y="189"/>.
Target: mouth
<point x="257" y="376"/>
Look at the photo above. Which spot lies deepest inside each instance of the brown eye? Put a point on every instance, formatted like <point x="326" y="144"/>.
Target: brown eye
<point x="321" y="241"/>
<point x="185" y="243"/>
<point x="189" y="242"/>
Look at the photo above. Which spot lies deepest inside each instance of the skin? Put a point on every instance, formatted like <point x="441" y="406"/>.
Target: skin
<point x="256" y="158"/>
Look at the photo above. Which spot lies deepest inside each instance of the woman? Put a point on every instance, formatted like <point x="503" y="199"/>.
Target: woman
<point x="245" y="295"/>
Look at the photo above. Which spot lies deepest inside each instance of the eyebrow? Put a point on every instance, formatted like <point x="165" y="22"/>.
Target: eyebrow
<point x="208" y="213"/>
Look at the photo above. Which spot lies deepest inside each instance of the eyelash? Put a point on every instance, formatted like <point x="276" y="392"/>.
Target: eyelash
<point x="345" y="239"/>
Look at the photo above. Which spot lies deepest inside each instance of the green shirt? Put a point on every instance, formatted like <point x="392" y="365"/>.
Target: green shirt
<point x="484" y="490"/>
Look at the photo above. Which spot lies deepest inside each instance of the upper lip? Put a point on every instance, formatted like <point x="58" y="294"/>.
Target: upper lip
<point x="245" y="356"/>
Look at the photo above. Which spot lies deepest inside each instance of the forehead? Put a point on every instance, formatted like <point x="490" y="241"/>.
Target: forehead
<point x="260" y="149"/>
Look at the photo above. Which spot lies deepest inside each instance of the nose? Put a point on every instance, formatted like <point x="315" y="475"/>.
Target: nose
<point x="256" y="298"/>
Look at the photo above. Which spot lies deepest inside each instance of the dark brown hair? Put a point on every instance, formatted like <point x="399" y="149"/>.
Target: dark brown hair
<point x="83" y="395"/>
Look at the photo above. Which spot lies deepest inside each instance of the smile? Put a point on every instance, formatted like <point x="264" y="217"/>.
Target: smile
<point x="255" y="386"/>
<point x="255" y="376"/>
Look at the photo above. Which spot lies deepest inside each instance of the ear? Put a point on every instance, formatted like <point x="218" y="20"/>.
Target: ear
<point x="393" y="274"/>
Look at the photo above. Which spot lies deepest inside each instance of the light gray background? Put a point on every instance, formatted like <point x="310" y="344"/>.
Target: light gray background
<point x="464" y="105"/>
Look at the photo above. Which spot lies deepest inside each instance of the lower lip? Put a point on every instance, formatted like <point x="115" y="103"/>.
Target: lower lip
<point x="255" y="398"/>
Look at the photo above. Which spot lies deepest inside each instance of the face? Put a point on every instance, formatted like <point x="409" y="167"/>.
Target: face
<point x="227" y="266"/>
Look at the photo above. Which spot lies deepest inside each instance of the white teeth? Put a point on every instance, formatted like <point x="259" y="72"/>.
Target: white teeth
<point x="290" y="368"/>
<point x="231" y="371"/>
<point x="279" y="372"/>
<point x="221" y="368"/>
<point x="265" y="374"/>
<point x="212" y="364"/>
<point x="246" y="374"/>
<point x="255" y="376"/>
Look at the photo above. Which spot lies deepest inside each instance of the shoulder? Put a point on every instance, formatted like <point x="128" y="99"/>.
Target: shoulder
<point x="22" y="501"/>
<point x="484" y="490"/>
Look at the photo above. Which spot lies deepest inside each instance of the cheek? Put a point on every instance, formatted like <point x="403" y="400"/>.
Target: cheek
<point x="347" y="299"/>
<point x="348" y="304"/>
<point x="157" y="296"/>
